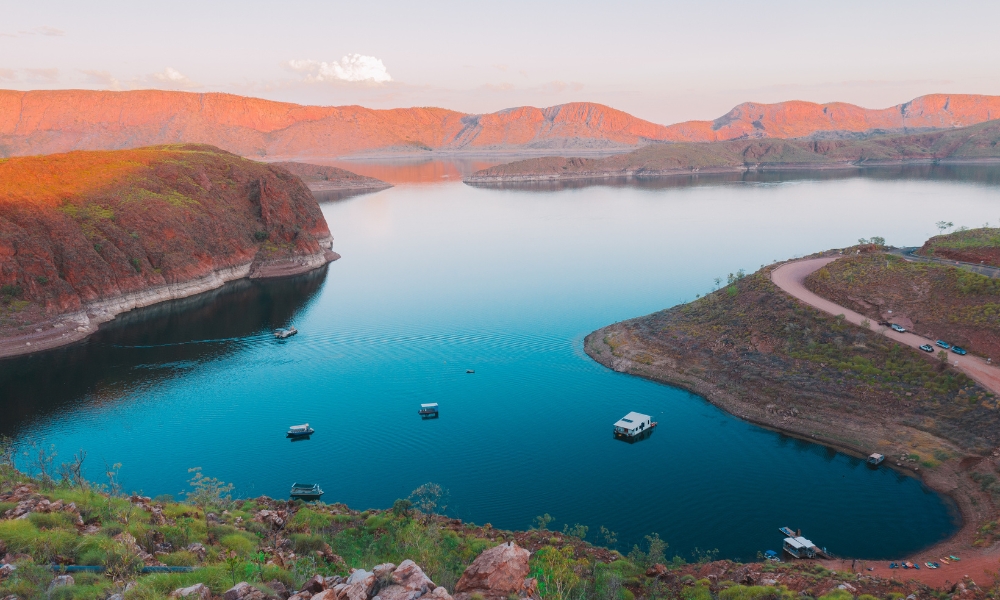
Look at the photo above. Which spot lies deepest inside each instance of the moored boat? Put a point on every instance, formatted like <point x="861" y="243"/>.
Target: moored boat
<point x="633" y="424"/>
<point x="298" y="431"/>
<point x="306" y="491"/>
<point x="875" y="459"/>
<point x="428" y="411"/>
<point x="285" y="333"/>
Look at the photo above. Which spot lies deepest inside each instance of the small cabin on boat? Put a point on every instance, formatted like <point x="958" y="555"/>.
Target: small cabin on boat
<point x="303" y="430"/>
<point x="799" y="547"/>
<point x="428" y="410"/>
<point x="876" y="459"/>
<point x="633" y="424"/>
<point x="306" y="491"/>
<point x="285" y="333"/>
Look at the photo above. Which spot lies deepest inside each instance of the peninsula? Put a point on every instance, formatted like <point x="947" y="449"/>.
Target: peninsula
<point x="804" y="348"/>
<point x="85" y="236"/>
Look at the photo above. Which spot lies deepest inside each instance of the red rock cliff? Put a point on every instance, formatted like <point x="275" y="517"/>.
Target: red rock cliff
<point x="59" y="121"/>
<point x="95" y="233"/>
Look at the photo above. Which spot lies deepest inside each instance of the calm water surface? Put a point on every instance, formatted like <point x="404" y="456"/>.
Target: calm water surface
<point x="439" y="278"/>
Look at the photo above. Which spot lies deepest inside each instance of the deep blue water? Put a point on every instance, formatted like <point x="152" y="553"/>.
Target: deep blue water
<point x="437" y="279"/>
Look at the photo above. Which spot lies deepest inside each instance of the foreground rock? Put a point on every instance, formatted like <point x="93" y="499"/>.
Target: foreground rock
<point x="87" y="235"/>
<point x="321" y="178"/>
<point x="198" y="591"/>
<point x="497" y="573"/>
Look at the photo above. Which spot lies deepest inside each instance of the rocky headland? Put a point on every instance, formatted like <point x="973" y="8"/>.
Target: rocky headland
<point x="85" y="236"/>
<point x="320" y="178"/>
<point x="973" y="144"/>
<point x="41" y="122"/>
<point x="764" y="356"/>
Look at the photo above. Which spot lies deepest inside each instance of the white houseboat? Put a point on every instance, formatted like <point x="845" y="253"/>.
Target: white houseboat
<point x="429" y="411"/>
<point x="876" y="459"/>
<point x="799" y="547"/>
<point x="633" y="424"/>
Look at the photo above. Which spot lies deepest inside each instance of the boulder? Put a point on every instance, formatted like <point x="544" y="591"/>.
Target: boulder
<point x="279" y="589"/>
<point x="398" y="592"/>
<point x="497" y="573"/>
<point x="60" y="581"/>
<point x="325" y="595"/>
<point x="383" y="569"/>
<point x="332" y="581"/>
<point x="411" y="577"/>
<point x="6" y="570"/>
<point x="357" y="587"/>
<point x="238" y="592"/>
<point x="116" y="597"/>
<point x="315" y="585"/>
<point x="301" y="596"/>
<point x="196" y="591"/>
<point x="439" y="593"/>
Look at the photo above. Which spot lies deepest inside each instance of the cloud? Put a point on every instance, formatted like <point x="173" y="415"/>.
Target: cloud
<point x="353" y="67"/>
<point x="102" y="79"/>
<point x="46" y="75"/>
<point x="561" y="86"/>
<point x="50" y="31"/>
<point x="174" y="78"/>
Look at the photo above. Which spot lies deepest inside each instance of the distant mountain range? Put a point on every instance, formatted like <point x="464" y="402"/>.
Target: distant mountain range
<point x="43" y="122"/>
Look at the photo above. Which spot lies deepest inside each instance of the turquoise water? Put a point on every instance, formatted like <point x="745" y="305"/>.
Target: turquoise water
<point x="439" y="278"/>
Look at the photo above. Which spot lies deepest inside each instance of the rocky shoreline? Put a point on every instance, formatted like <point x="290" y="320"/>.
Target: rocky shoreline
<point x="625" y="348"/>
<point x="73" y="327"/>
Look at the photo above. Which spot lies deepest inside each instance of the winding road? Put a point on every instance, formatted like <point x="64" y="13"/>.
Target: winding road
<point x="790" y="277"/>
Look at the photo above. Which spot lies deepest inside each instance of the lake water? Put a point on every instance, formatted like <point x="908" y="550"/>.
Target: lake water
<point x="437" y="278"/>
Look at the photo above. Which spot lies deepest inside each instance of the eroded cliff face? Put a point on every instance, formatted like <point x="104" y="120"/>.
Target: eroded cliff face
<point x="96" y="233"/>
<point x="42" y="122"/>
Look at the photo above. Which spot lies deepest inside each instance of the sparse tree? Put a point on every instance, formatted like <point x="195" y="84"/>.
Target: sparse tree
<point x="542" y="522"/>
<point x="430" y="499"/>
<point x="718" y="282"/>
<point x="943" y="357"/>
<point x="878" y="241"/>
<point x="942" y="225"/>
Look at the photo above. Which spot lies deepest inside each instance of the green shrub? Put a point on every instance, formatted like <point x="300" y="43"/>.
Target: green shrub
<point x="308" y="518"/>
<point x="751" y="592"/>
<point x="377" y="522"/>
<point x="29" y="582"/>
<point x="181" y="558"/>
<point x="238" y="543"/>
<point x="21" y="535"/>
<point x="305" y="543"/>
<point x="837" y="595"/>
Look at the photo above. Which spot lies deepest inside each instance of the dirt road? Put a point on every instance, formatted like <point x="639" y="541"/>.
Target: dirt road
<point x="790" y="277"/>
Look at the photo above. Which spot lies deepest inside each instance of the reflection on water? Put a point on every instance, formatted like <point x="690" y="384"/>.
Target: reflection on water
<point x="436" y="280"/>
<point x="412" y="170"/>
<point x="145" y="347"/>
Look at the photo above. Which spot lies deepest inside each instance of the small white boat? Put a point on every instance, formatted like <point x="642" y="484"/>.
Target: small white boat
<point x="296" y="431"/>
<point x="428" y="411"/>
<point x="306" y="491"/>
<point x="875" y="459"/>
<point x="285" y="333"/>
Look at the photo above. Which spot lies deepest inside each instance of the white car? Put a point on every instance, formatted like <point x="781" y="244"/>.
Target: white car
<point x="898" y="328"/>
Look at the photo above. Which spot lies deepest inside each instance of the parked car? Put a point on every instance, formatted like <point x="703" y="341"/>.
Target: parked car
<point x="898" y="328"/>
<point x="943" y="344"/>
<point x="927" y="348"/>
<point x="958" y="350"/>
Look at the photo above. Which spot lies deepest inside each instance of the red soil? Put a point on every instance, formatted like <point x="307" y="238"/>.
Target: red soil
<point x="58" y="121"/>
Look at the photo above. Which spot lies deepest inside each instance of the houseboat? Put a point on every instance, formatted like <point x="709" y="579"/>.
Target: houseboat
<point x="875" y="459"/>
<point x="633" y="425"/>
<point x="799" y="547"/>
<point x="285" y="333"/>
<point x="428" y="411"/>
<point x="306" y="491"/>
<point x="300" y="431"/>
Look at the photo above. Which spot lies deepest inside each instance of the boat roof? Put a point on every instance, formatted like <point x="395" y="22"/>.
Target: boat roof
<point x="805" y="543"/>
<point x="794" y="542"/>
<point x="632" y="420"/>
<point x="875" y="455"/>
<point x="303" y="426"/>
<point x="431" y="405"/>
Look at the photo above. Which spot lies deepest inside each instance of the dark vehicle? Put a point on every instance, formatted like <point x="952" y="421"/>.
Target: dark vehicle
<point x="898" y="328"/>
<point x="943" y="344"/>
<point x="927" y="348"/>
<point x="958" y="350"/>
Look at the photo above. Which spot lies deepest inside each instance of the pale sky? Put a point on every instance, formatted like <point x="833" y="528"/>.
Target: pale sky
<point x="662" y="61"/>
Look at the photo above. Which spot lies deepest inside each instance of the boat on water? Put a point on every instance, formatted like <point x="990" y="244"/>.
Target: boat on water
<point x="428" y="411"/>
<point x="875" y="459"/>
<point x="798" y="546"/>
<point x="285" y="333"/>
<point x="633" y="425"/>
<point x="300" y="431"/>
<point x="306" y="491"/>
<point x="787" y="532"/>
